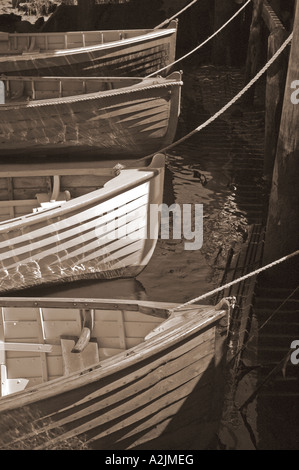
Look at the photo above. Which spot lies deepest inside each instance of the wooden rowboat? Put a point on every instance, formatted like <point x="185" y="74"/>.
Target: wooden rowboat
<point x="90" y="53"/>
<point x="110" y="374"/>
<point x="123" y="117"/>
<point x="80" y="228"/>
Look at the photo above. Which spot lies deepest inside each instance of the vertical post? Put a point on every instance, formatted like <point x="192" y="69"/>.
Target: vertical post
<point x="283" y="217"/>
<point x="275" y="86"/>
<point x="254" y="48"/>
<point x="86" y="15"/>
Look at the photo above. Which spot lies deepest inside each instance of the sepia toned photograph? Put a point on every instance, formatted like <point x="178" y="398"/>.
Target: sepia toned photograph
<point x="149" y="220"/>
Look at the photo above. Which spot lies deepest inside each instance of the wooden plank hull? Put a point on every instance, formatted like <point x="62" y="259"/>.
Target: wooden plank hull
<point x="123" y="53"/>
<point x="103" y="234"/>
<point x="165" y="393"/>
<point x="132" y="121"/>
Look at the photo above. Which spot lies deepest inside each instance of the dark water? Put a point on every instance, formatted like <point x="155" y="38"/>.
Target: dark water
<point x="218" y="168"/>
<point x="221" y="168"/>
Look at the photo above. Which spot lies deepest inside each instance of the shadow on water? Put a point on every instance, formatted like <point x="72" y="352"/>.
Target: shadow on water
<point x="220" y="167"/>
<point x="120" y="288"/>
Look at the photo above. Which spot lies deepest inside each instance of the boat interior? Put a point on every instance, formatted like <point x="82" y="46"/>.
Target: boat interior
<point x="27" y="187"/>
<point x="22" y="43"/>
<point x="28" y="190"/>
<point x="41" y="343"/>
<point x="24" y="89"/>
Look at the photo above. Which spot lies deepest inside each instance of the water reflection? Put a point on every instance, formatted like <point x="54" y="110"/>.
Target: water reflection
<point x="121" y="288"/>
<point x="220" y="168"/>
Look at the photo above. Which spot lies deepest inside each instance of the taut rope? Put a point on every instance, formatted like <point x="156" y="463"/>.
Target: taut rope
<point x="176" y="15"/>
<point x="233" y="100"/>
<point x="243" y="278"/>
<point x="204" y="42"/>
<point x="91" y="96"/>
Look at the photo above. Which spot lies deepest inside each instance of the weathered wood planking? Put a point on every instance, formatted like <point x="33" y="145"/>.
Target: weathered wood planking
<point x="159" y="394"/>
<point x="102" y="234"/>
<point x="276" y="78"/>
<point x="283" y="221"/>
<point x="18" y="194"/>
<point x="25" y="325"/>
<point x="21" y="192"/>
<point x="136" y="118"/>
<point x="88" y="53"/>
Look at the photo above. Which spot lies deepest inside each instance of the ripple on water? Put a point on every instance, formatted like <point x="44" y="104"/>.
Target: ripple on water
<point x="220" y="167"/>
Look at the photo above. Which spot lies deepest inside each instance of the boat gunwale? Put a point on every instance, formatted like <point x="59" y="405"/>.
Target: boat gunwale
<point x="119" y="185"/>
<point x="172" y="25"/>
<point x="154" y="345"/>
<point x="109" y="304"/>
<point x="144" y="84"/>
<point x="152" y="35"/>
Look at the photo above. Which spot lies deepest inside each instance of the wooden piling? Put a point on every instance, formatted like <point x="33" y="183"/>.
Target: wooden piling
<point x="283" y="216"/>
<point x="275" y="86"/>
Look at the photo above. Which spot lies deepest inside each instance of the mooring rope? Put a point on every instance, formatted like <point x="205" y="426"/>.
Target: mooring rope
<point x="176" y="15"/>
<point x="253" y="336"/>
<point x="233" y="100"/>
<point x="278" y="367"/>
<point x="88" y="97"/>
<point x="203" y="43"/>
<point x="240" y="279"/>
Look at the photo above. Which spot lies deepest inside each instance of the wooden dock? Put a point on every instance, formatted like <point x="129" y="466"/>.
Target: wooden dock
<point x="264" y="386"/>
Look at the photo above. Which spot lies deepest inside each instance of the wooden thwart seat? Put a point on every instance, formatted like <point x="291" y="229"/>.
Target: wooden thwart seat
<point x="83" y="353"/>
<point x="39" y="344"/>
<point x="29" y="347"/>
<point x="47" y="200"/>
<point x="73" y="361"/>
